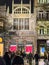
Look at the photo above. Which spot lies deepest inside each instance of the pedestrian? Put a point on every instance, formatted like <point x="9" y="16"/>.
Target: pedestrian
<point x="23" y="54"/>
<point x="30" y="58"/>
<point x="12" y="54"/>
<point x="18" y="60"/>
<point x="48" y="58"/>
<point x="36" y="57"/>
<point x="2" y="62"/>
<point x="7" y="58"/>
<point x="41" y="62"/>
<point x="45" y="57"/>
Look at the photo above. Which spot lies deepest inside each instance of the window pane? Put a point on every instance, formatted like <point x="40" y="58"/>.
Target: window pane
<point x="15" y="24"/>
<point x="26" y="24"/>
<point x="21" y="24"/>
<point x="48" y="30"/>
<point x="38" y="1"/>
<point x="47" y="1"/>
<point x="41" y="1"/>
<point x="41" y="30"/>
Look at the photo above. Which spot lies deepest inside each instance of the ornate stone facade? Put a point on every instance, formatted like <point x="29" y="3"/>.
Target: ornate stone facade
<point x="28" y="28"/>
<point x="22" y="13"/>
<point x="42" y="12"/>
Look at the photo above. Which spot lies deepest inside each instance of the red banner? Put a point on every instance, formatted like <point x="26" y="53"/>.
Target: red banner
<point x="28" y="48"/>
<point x="13" y="48"/>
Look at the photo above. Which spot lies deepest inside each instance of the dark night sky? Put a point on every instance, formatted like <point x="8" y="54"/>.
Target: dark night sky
<point x="2" y="2"/>
<point x="9" y="3"/>
<point x="19" y="1"/>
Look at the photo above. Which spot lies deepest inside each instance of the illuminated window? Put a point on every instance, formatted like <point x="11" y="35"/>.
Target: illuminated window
<point x="48" y="30"/>
<point x="41" y="30"/>
<point x="47" y="1"/>
<point x="41" y="15"/>
<point x="21" y="24"/>
<point x="15" y="24"/>
<point x="47" y="15"/>
<point x="26" y="24"/>
<point x="23" y="10"/>
<point x="17" y="11"/>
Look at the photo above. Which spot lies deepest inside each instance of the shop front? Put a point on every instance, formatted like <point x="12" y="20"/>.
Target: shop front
<point x="41" y="47"/>
<point x="24" y="40"/>
<point x="26" y="47"/>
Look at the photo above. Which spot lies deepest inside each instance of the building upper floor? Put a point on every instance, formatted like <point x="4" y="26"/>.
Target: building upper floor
<point x="41" y="3"/>
<point x="19" y="3"/>
<point x="42" y="15"/>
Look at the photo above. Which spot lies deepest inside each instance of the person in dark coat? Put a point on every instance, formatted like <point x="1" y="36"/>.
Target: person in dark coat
<point x="23" y="54"/>
<point x="7" y="58"/>
<point x="48" y="59"/>
<point x="18" y="60"/>
<point x="30" y="58"/>
<point x="36" y="56"/>
<point x="2" y="62"/>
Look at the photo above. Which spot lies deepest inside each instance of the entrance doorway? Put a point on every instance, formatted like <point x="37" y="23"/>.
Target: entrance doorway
<point x="21" y="47"/>
<point x="41" y="47"/>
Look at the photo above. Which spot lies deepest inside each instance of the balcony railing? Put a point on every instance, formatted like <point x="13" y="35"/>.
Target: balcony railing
<point x="42" y="19"/>
<point x="43" y="3"/>
<point x="44" y="36"/>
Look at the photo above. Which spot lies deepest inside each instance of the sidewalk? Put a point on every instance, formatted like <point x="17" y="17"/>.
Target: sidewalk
<point x="41" y="62"/>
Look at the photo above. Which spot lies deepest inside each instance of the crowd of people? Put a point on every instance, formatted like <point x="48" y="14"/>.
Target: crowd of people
<point x="12" y="58"/>
<point x="17" y="58"/>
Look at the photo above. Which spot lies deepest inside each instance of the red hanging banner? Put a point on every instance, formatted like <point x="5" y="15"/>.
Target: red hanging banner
<point x="28" y="48"/>
<point x="13" y="48"/>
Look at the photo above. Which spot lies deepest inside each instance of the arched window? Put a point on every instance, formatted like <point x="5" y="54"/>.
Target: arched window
<point x="41" y="30"/>
<point x="23" y="10"/>
<point x="17" y="11"/>
<point x="48" y="30"/>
